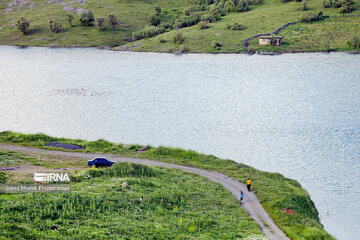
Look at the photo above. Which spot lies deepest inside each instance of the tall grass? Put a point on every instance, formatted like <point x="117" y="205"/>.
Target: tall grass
<point x="158" y="204"/>
<point x="275" y="192"/>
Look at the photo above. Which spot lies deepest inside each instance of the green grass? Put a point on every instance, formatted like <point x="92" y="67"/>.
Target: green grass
<point x="174" y="205"/>
<point x="330" y="34"/>
<point x="274" y="190"/>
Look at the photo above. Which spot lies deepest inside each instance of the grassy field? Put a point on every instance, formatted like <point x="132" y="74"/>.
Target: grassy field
<point x="330" y="34"/>
<point x="286" y="202"/>
<point x="158" y="204"/>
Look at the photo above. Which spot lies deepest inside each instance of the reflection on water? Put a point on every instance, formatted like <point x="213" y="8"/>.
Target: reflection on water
<point x="294" y="114"/>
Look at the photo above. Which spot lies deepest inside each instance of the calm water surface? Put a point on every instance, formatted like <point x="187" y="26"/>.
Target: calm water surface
<point x="294" y="114"/>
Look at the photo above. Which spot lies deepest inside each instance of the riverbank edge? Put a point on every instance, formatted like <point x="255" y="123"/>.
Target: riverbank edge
<point x="276" y="193"/>
<point x="181" y="53"/>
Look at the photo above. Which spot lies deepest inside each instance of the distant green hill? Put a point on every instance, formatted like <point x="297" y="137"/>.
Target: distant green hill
<point x="259" y="17"/>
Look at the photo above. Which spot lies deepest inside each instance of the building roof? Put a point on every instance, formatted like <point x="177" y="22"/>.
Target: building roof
<point x="270" y="37"/>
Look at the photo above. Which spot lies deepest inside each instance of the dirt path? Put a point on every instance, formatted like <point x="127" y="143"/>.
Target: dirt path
<point x="251" y="204"/>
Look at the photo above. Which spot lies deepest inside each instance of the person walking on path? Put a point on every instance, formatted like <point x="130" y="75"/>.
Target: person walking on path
<point x="241" y="195"/>
<point x="248" y="184"/>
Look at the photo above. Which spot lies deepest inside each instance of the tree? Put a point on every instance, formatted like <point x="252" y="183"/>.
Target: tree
<point x="70" y="18"/>
<point x="23" y="25"/>
<point x="154" y="19"/>
<point x="100" y="23"/>
<point x="87" y="18"/>
<point x="55" y="27"/>
<point x="113" y="21"/>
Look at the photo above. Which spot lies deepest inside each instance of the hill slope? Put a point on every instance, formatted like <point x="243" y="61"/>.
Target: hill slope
<point x="330" y="34"/>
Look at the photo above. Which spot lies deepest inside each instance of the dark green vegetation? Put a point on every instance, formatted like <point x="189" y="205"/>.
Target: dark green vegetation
<point x="151" y="24"/>
<point x="158" y="204"/>
<point x="286" y="202"/>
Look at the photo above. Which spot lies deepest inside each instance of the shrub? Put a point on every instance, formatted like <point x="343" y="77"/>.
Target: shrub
<point x="203" y="24"/>
<point x="215" y="44"/>
<point x="100" y="23"/>
<point x="166" y="25"/>
<point x="326" y="4"/>
<point x="87" y="18"/>
<point x="154" y="19"/>
<point x="304" y="6"/>
<point x="23" y="25"/>
<point x="113" y="21"/>
<point x="258" y="2"/>
<point x="354" y="42"/>
<point x="178" y="37"/>
<point x="242" y="6"/>
<point x="188" y="11"/>
<point x="235" y="26"/>
<point x="336" y="3"/>
<point x="207" y="17"/>
<point x="187" y="21"/>
<point x="311" y="17"/>
<point x="298" y="0"/>
<point x="55" y="27"/>
<point x="348" y="7"/>
<point x="147" y="32"/>
<point x="3" y="177"/>
<point x="157" y="10"/>
<point x="70" y="18"/>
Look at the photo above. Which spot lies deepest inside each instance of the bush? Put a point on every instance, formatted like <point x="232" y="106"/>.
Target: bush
<point x="348" y="7"/>
<point x="187" y="21"/>
<point x="336" y="3"/>
<point x="311" y="17"/>
<point x="215" y="44"/>
<point x="207" y="18"/>
<point x="235" y="26"/>
<point x="55" y="27"/>
<point x="243" y="6"/>
<point x="154" y="19"/>
<point x="178" y="37"/>
<point x="166" y="25"/>
<point x="147" y="32"/>
<point x="157" y="10"/>
<point x="113" y="21"/>
<point x="203" y="24"/>
<point x="304" y="6"/>
<point x="3" y="177"/>
<point x="354" y="42"/>
<point x="258" y="2"/>
<point x="326" y="4"/>
<point x="87" y="18"/>
<point x="70" y="18"/>
<point x="23" y="25"/>
<point x="100" y="23"/>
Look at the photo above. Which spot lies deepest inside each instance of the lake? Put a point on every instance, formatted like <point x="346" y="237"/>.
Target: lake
<point x="297" y="114"/>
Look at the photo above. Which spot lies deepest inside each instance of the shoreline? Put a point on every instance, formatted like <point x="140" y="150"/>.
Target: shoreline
<point x="183" y="53"/>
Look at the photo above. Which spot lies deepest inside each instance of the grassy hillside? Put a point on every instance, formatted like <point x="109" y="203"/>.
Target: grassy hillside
<point x="286" y="202"/>
<point x="330" y="34"/>
<point x="158" y="204"/>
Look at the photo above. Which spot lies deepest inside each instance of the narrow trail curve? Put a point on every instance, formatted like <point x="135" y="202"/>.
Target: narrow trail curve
<point x="251" y="203"/>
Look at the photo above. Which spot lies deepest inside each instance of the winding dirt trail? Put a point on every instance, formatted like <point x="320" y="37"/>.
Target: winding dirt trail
<point x="251" y="203"/>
